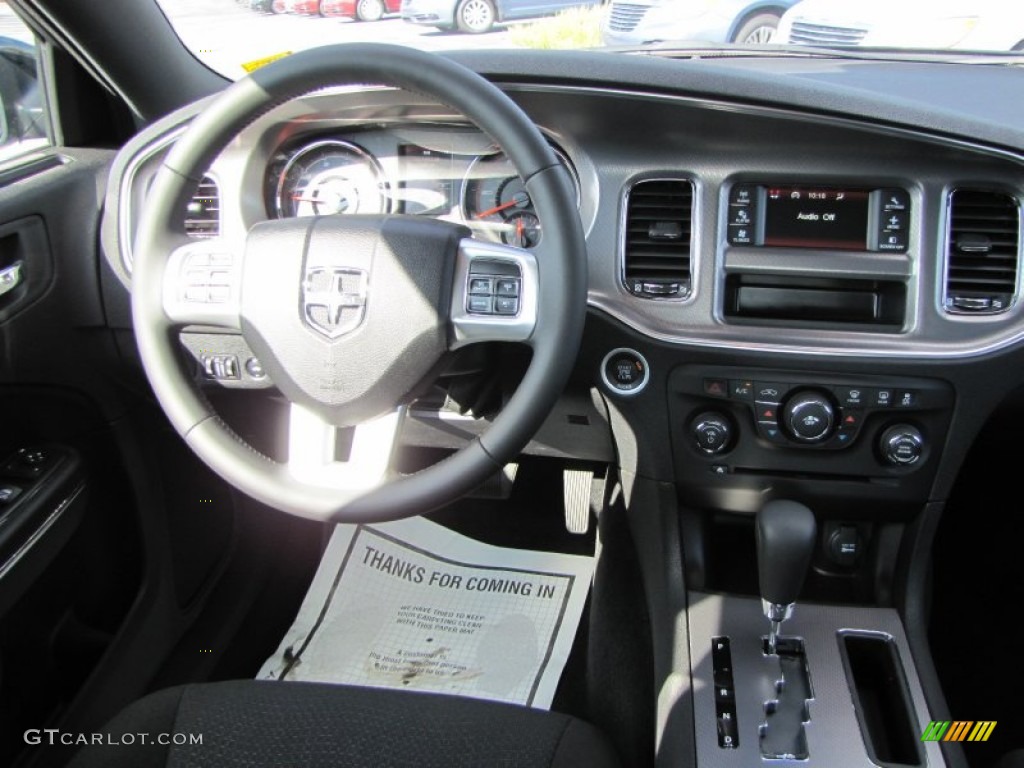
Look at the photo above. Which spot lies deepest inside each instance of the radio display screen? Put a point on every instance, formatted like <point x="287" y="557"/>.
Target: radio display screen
<point x="806" y="217"/>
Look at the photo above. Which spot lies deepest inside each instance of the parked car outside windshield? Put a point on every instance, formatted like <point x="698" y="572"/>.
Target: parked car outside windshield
<point x="639" y="22"/>
<point x="984" y="25"/>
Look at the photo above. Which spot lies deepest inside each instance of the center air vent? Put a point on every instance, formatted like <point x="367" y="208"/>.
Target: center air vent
<point x="656" y="248"/>
<point x="202" y="217"/>
<point x="982" y="252"/>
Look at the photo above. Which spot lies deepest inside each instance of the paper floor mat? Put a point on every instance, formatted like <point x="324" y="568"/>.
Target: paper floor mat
<point x="414" y="605"/>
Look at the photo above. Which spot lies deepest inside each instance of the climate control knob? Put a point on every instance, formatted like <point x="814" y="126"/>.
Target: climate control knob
<point x="809" y="417"/>
<point x="712" y="432"/>
<point x="902" y="445"/>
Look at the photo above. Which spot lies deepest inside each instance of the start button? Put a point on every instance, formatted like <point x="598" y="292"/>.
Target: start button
<point x="624" y="371"/>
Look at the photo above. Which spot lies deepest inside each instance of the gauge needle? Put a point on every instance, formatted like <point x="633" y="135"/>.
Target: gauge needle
<point x="519" y="231"/>
<point x="496" y="209"/>
<point x="301" y="199"/>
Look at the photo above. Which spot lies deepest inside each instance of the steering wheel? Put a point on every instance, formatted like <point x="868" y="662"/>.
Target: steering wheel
<point x="350" y="314"/>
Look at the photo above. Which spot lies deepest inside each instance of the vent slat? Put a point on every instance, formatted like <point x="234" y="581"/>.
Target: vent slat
<point x="202" y="215"/>
<point x="982" y="252"/>
<point x="657" y="238"/>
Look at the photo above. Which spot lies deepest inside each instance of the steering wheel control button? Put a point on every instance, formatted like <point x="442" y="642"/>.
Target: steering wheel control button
<point x="507" y="287"/>
<point x="504" y="305"/>
<point x="809" y="417"/>
<point x="625" y="371"/>
<point x="480" y="305"/>
<point x="481" y="286"/>
<point x="496" y="294"/>
<point x="902" y="445"/>
<point x="712" y="432"/>
<point x="207" y="278"/>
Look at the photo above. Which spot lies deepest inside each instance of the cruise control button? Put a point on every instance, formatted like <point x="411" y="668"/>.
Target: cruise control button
<point x="481" y="286"/>
<point x="480" y="305"/>
<point x="504" y="305"/>
<point x="506" y="287"/>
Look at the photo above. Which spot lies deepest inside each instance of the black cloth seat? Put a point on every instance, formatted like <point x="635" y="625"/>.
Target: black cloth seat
<point x="308" y="725"/>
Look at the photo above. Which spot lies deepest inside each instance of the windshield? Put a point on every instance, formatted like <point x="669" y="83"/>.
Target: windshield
<point x="236" y="36"/>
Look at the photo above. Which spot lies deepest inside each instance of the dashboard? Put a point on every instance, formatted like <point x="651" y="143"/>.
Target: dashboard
<point x="804" y="283"/>
<point x="737" y="245"/>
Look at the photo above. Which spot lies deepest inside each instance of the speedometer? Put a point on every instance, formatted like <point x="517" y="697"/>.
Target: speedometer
<point x="495" y="201"/>
<point x="328" y="177"/>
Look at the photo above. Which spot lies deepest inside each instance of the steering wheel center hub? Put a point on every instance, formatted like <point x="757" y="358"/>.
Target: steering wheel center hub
<point x="348" y="314"/>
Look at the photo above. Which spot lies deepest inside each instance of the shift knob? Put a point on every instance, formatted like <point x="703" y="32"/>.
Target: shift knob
<point x="785" y="542"/>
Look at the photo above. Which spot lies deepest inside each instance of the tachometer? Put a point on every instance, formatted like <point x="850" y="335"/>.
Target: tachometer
<point x="495" y="201"/>
<point x="331" y="176"/>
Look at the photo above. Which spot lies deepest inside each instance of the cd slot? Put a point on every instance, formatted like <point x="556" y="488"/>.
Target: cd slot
<point x="815" y="300"/>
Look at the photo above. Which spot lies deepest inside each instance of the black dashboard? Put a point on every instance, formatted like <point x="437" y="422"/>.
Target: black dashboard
<point x="796" y="276"/>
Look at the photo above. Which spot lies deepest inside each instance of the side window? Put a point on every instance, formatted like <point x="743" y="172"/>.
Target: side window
<point x="23" y="122"/>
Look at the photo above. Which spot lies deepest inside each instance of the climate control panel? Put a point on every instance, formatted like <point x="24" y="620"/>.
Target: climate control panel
<point x="812" y="412"/>
<point x="742" y="432"/>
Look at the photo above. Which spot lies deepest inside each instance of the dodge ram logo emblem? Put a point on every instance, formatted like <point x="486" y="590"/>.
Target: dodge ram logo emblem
<point x="334" y="300"/>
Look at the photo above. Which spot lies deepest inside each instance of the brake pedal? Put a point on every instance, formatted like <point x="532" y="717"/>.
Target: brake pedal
<point x="576" y="484"/>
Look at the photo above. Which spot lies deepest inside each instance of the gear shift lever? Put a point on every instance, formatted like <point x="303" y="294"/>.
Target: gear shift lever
<point x="785" y="541"/>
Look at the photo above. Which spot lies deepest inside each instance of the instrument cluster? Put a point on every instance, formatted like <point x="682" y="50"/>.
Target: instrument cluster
<point x="458" y="177"/>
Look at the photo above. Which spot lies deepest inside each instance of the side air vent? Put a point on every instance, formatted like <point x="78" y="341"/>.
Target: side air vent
<point x="657" y="239"/>
<point x="982" y="252"/>
<point x="202" y="217"/>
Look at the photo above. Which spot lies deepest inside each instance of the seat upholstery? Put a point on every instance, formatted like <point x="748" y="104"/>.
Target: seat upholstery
<point x="308" y="725"/>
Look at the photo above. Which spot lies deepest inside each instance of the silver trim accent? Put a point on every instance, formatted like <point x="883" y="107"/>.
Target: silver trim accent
<point x="621" y="392"/>
<point x="559" y="153"/>
<point x="383" y="185"/>
<point x="311" y="450"/>
<point x="833" y="736"/>
<point x="126" y="230"/>
<point x="853" y="343"/>
<point x="10" y="278"/>
<point x="467" y="328"/>
<point x="627" y="190"/>
<point x="947" y="236"/>
<point x="39" y="532"/>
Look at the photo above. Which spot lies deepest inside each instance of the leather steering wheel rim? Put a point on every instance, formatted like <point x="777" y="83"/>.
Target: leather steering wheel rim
<point x="561" y="266"/>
